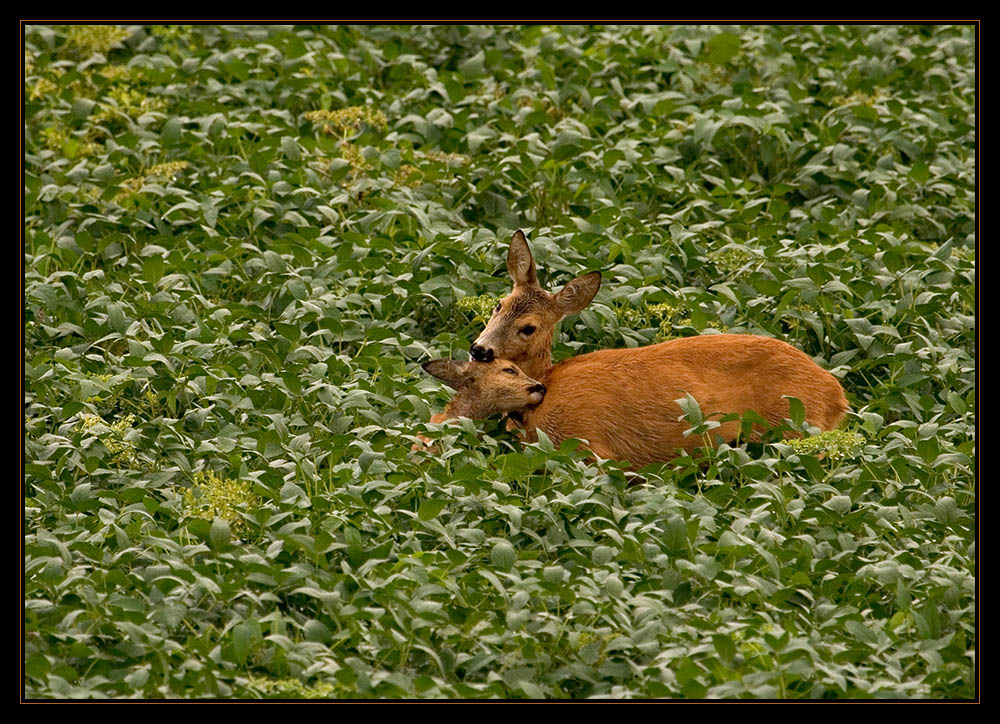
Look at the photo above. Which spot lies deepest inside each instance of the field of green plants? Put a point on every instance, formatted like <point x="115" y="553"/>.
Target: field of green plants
<point x="240" y="244"/>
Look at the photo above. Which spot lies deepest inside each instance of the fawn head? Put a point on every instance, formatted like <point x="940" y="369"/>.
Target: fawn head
<point x="523" y="323"/>
<point x="486" y="388"/>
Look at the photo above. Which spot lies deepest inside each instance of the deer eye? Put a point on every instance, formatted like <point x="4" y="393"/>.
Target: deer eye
<point x="497" y="307"/>
<point x="528" y="330"/>
<point x="510" y="370"/>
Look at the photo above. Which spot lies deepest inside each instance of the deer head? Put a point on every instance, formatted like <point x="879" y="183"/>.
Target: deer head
<point x="523" y="323"/>
<point x="486" y="388"/>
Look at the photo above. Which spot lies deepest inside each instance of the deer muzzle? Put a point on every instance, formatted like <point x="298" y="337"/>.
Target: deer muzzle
<point x="480" y="354"/>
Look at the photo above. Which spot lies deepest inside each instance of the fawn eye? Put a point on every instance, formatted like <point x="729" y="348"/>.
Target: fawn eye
<point x="528" y="330"/>
<point x="510" y="370"/>
<point x="497" y="307"/>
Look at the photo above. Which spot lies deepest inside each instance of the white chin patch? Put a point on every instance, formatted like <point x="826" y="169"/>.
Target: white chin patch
<point x="535" y="397"/>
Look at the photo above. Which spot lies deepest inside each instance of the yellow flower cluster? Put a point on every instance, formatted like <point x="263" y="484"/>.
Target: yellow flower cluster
<point x="663" y="312"/>
<point x="352" y="154"/>
<point x="668" y="317"/>
<point x="407" y="175"/>
<point x="167" y="170"/>
<point x="213" y="496"/>
<point x="730" y="261"/>
<point x="859" y="98"/>
<point x="116" y="73"/>
<point x="130" y="101"/>
<point x="345" y="120"/>
<point x="95" y="38"/>
<point x="133" y="185"/>
<point x="293" y="689"/>
<point x="663" y="315"/>
<point x="481" y="307"/>
<point x="129" y="187"/>
<point x="449" y="159"/>
<point x="41" y="87"/>
<point x="54" y="137"/>
<point x="838" y="444"/>
<point x="113" y="437"/>
<point x="412" y="176"/>
<point x="58" y="138"/>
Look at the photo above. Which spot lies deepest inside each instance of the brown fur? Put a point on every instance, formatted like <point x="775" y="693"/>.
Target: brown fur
<point x="622" y="401"/>
<point x="485" y="388"/>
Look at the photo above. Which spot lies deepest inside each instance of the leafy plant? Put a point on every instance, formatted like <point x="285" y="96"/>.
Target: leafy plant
<point x="240" y="242"/>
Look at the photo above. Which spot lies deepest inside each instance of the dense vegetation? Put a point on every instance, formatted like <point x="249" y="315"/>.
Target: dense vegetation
<point x="241" y="242"/>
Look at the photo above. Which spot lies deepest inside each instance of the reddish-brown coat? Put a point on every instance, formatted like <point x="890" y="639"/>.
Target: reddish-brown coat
<point x="622" y="401"/>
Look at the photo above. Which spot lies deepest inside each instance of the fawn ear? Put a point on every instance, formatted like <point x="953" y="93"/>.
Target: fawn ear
<point x="520" y="264"/>
<point x="451" y="371"/>
<point x="578" y="293"/>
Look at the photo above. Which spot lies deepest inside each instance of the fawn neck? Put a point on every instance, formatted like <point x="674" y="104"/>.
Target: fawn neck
<point x="458" y="406"/>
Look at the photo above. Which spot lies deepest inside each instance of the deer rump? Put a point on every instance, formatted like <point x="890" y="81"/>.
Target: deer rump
<point x="622" y="401"/>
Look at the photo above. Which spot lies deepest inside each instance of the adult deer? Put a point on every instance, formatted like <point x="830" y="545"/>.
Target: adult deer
<point x="622" y="401"/>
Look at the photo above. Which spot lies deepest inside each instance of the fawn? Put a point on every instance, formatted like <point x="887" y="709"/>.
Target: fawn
<point x="484" y="388"/>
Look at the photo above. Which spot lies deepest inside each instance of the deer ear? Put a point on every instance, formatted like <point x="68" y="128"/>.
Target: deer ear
<point x="520" y="264"/>
<point x="578" y="293"/>
<point x="452" y="372"/>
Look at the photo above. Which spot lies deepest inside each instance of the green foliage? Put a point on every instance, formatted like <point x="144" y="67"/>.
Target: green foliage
<point x="481" y="307"/>
<point x="241" y="242"/>
<point x="293" y="689"/>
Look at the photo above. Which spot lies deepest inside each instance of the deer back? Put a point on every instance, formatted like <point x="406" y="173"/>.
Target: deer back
<point x="622" y="401"/>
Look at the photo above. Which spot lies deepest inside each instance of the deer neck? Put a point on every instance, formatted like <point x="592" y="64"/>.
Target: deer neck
<point x="458" y="406"/>
<point x="525" y="420"/>
<point x="536" y="366"/>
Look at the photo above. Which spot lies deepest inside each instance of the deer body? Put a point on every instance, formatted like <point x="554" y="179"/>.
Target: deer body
<point x="622" y="401"/>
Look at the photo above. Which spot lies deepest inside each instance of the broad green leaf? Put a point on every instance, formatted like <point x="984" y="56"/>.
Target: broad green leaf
<point x="245" y="636"/>
<point x="171" y="132"/>
<point x="430" y="509"/>
<point x="503" y="555"/>
<point x="723" y="47"/>
<point x="220" y="533"/>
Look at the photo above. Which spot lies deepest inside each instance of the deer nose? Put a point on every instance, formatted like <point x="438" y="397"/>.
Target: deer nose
<point x="537" y="388"/>
<point x="480" y="354"/>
